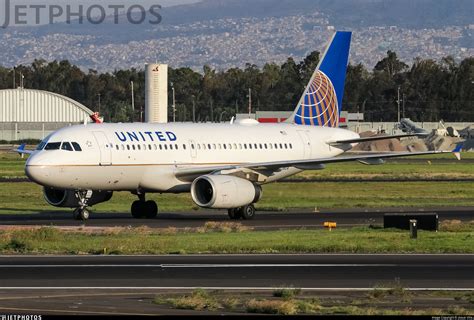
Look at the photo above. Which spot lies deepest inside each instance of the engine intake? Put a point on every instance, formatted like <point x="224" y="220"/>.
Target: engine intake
<point x="68" y="199"/>
<point x="224" y="192"/>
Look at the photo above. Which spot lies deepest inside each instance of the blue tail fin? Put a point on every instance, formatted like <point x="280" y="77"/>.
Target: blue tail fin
<point x="321" y="102"/>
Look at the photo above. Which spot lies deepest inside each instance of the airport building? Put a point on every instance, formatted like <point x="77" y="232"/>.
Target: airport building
<point x="33" y="114"/>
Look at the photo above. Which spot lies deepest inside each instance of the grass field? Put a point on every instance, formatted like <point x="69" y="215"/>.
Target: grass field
<point x="233" y="238"/>
<point x="27" y="197"/>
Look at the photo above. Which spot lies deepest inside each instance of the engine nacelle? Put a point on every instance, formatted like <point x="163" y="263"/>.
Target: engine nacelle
<point x="224" y="192"/>
<point x="68" y="198"/>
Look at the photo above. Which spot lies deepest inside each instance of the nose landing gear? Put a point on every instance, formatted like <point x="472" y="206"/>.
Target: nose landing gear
<point x="81" y="213"/>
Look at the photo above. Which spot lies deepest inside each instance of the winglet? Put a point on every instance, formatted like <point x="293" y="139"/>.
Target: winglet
<point x="22" y="151"/>
<point x="457" y="150"/>
<point x="21" y="147"/>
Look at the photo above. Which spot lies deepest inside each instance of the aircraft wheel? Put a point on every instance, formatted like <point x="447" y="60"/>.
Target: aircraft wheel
<point x="247" y="212"/>
<point x="234" y="213"/>
<point x="151" y="209"/>
<point x="138" y="209"/>
<point x="84" y="214"/>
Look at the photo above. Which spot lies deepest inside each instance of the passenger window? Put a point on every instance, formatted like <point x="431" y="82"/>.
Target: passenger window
<point x="276" y="146"/>
<point x="250" y="146"/>
<point x="245" y="146"/>
<point x="240" y="146"/>
<point x="53" y="146"/>
<point x="214" y="146"/>
<point x="128" y="147"/>
<point x="138" y="146"/>
<point x="209" y="146"/>
<point x="286" y="146"/>
<point x="255" y="145"/>
<point x="220" y="146"/>
<point x="123" y="147"/>
<point x="176" y="147"/>
<point x="271" y="146"/>
<point x="184" y="146"/>
<point x="192" y="146"/>
<point x="76" y="146"/>
<point x="281" y="146"/>
<point x="117" y="147"/>
<point x="291" y="146"/>
<point x="166" y="147"/>
<point x="133" y="146"/>
<point x="161" y="147"/>
<point x="66" y="146"/>
<point x="225" y="147"/>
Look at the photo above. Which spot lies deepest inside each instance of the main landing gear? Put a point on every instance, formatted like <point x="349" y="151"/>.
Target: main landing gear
<point x="144" y="209"/>
<point x="246" y="212"/>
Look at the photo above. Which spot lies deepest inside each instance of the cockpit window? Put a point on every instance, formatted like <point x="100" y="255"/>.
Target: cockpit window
<point x="76" y="146"/>
<point x="41" y="146"/>
<point x="66" y="146"/>
<point x="53" y="146"/>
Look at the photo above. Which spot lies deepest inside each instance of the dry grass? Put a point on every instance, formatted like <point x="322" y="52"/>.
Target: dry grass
<point x="199" y="300"/>
<point x="226" y="227"/>
<point x="456" y="226"/>
<point x="272" y="307"/>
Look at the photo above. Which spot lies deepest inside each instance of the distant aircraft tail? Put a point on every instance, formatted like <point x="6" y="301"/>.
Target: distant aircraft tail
<point x="320" y="104"/>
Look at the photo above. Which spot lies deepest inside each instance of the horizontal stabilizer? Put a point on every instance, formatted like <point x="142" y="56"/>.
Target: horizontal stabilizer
<point x="457" y="150"/>
<point x="375" y="138"/>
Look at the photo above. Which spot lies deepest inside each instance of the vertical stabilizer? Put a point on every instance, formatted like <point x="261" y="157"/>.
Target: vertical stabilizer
<point x="320" y="104"/>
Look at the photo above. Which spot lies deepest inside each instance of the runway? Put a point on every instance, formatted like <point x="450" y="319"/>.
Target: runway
<point x="265" y="220"/>
<point x="245" y="272"/>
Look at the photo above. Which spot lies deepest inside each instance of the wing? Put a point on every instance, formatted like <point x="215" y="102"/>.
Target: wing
<point x="375" y="138"/>
<point x="21" y="150"/>
<point x="189" y="173"/>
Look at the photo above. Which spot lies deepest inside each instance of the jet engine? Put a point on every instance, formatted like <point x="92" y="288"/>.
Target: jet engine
<point x="224" y="192"/>
<point x="68" y="198"/>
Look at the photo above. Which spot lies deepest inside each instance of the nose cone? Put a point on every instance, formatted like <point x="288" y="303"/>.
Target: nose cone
<point x="36" y="170"/>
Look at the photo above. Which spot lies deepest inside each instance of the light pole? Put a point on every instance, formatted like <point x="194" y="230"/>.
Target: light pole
<point x="174" y="102"/>
<point x="250" y="101"/>
<point x="133" y="100"/>
<point x="398" y="103"/>
<point x="194" y="108"/>
<point x="99" y="102"/>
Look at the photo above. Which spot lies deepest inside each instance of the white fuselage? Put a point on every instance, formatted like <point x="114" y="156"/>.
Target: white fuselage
<point x="141" y="156"/>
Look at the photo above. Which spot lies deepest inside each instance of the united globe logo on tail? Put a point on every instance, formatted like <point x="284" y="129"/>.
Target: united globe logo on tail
<point x="319" y="106"/>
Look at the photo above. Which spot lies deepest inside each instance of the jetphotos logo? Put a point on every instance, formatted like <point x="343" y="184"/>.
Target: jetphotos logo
<point x="33" y="13"/>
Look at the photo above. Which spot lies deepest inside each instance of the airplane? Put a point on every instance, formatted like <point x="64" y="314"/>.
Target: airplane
<point x="223" y="166"/>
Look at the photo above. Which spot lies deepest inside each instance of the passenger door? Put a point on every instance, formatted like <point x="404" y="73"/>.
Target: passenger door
<point x="306" y="143"/>
<point x="105" y="148"/>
